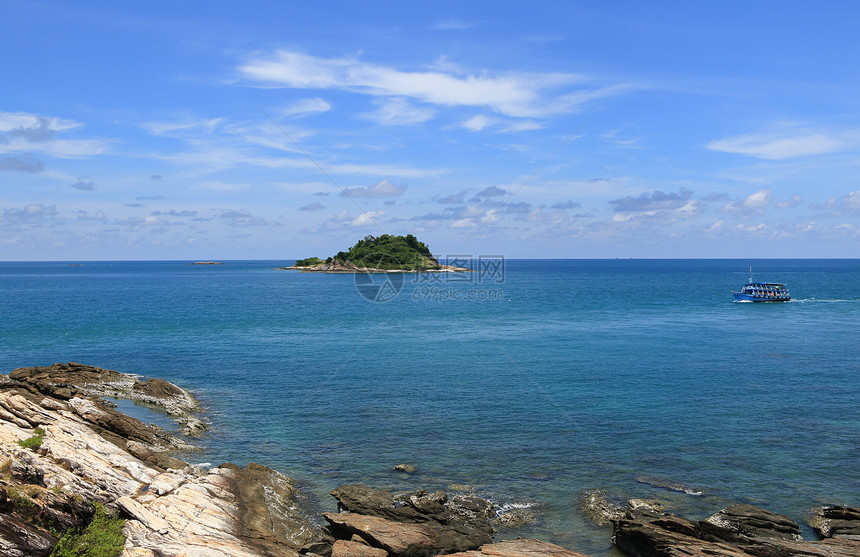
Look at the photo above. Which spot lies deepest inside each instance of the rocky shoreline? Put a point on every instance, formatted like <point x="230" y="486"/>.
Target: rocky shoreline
<point x="349" y="267"/>
<point x="64" y="449"/>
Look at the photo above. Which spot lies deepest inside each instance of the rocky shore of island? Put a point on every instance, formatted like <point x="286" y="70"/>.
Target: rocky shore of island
<point x="65" y="451"/>
<point x="337" y="266"/>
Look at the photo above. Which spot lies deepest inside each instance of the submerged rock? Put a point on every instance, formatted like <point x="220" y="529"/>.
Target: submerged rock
<point x="670" y="485"/>
<point x="515" y="516"/>
<point x="596" y="506"/>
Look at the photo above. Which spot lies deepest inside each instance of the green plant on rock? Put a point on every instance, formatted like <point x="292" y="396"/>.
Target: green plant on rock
<point x="101" y="538"/>
<point x="35" y="441"/>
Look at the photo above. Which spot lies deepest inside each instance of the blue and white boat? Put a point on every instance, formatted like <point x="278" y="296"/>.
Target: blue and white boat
<point x="762" y="292"/>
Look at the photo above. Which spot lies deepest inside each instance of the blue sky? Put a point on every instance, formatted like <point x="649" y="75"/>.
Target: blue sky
<point x="202" y="130"/>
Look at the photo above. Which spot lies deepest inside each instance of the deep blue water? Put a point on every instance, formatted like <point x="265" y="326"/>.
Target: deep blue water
<point x="557" y="377"/>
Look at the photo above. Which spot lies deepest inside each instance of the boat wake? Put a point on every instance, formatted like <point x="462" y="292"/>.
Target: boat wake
<point x="823" y="300"/>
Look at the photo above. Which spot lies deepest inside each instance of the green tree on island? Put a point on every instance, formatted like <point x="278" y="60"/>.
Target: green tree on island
<point x="382" y="252"/>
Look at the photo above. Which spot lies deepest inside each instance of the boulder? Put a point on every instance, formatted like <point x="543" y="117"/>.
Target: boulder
<point x="836" y="521"/>
<point x="645" y="533"/>
<point x="416" y="524"/>
<point x="753" y="522"/>
<point x="400" y="539"/>
<point x="466" y="512"/>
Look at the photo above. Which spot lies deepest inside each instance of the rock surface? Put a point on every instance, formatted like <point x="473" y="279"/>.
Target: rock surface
<point x="521" y="547"/>
<point x="753" y="522"/>
<point x="646" y="533"/>
<point x="836" y="521"/>
<point x="91" y="453"/>
<point x="418" y="524"/>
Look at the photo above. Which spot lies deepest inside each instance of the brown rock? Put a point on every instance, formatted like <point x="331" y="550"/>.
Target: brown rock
<point x="837" y="521"/>
<point x="19" y="539"/>
<point x="458" y="524"/>
<point x="400" y="539"/>
<point x="753" y="522"/>
<point x="157" y="388"/>
<point x="268" y="499"/>
<point x="643" y="533"/>
<point x="523" y="547"/>
<point x="343" y="548"/>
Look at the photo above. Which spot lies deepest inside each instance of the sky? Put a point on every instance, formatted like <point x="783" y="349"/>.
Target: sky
<point x="213" y="130"/>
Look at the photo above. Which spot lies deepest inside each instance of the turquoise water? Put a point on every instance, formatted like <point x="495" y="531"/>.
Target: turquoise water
<point x="532" y="386"/>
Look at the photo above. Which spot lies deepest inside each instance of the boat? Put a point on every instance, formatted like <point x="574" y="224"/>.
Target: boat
<point x="762" y="292"/>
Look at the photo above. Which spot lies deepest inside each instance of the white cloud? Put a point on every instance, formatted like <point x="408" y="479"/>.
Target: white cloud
<point x="758" y="200"/>
<point x="244" y="218"/>
<point x="382" y="188"/>
<point x="477" y="123"/>
<point x="345" y="220"/>
<point x="24" y="122"/>
<point x="852" y="200"/>
<point x="30" y="214"/>
<point x="367" y="219"/>
<point x="518" y="95"/>
<point x="788" y="143"/>
<point x="398" y="112"/>
<point x="27" y="133"/>
<point x="753" y="204"/>
<point x="480" y="122"/>
<point x="306" y="107"/>
<point x="160" y="128"/>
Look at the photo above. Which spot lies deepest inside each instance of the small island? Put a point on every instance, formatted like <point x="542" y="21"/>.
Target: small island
<point x="382" y="254"/>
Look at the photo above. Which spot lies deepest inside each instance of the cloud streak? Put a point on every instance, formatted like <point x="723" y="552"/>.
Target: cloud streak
<point x="520" y="95"/>
<point x="786" y="144"/>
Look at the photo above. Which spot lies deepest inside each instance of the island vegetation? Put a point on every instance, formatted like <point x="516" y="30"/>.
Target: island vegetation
<point x="378" y="254"/>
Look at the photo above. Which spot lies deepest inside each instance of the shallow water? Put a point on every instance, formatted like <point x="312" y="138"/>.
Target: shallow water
<point x="531" y="385"/>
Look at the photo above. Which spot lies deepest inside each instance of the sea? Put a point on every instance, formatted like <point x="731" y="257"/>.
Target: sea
<point x="529" y="382"/>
